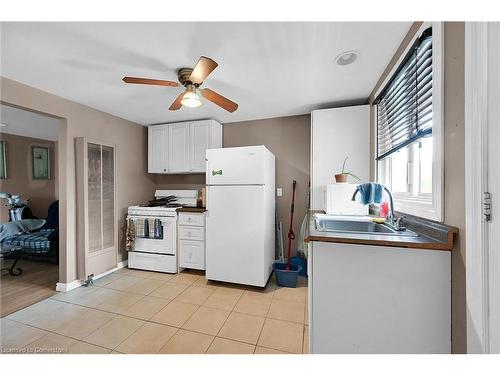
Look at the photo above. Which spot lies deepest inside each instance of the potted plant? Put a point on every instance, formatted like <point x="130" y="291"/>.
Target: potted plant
<point x="342" y="176"/>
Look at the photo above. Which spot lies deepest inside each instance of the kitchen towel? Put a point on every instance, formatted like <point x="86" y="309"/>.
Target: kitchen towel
<point x="370" y="192"/>
<point x="129" y="244"/>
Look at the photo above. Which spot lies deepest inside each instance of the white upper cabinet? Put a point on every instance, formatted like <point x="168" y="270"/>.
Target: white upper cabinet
<point x="200" y="142"/>
<point x="157" y="149"/>
<point x="180" y="147"/>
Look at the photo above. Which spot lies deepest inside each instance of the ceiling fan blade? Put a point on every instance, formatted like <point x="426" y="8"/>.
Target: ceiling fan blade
<point x="203" y="68"/>
<point x="177" y="102"/>
<point x="148" y="81"/>
<point x="220" y="100"/>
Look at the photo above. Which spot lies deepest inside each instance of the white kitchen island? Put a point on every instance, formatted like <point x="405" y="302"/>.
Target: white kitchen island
<point x="378" y="299"/>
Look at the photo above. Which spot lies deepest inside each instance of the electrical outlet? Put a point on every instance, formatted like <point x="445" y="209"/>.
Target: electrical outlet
<point x="279" y="192"/>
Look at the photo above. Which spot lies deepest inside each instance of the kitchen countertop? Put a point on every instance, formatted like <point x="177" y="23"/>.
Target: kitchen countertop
<point x="191" y="209"/>
<point x="432" y="235"/>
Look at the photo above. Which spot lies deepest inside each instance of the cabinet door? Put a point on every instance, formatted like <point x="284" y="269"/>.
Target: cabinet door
<point x="192" y="254"/>
<point x="178" y="148"/>
<point x="157" y="149"/>
<point x="200" y="141"/>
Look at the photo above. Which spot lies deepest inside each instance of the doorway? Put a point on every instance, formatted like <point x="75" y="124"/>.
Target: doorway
<point x="29" y="212"/>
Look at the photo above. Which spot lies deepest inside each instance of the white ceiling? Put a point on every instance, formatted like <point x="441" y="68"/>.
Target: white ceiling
<point x="269" y="69"/>
<point x="28" y="124"/>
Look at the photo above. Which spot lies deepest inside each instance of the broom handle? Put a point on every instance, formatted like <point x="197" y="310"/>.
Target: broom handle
<point x="291" y="235"/>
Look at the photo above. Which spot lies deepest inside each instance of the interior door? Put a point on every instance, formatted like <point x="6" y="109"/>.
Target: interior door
<point x="157" y="149"/>
<point x="494" y="182"/>
<point x="178" y="148"/>
<point x="200" y="142"/>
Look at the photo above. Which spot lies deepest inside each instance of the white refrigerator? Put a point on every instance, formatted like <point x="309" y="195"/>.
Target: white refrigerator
<point x="240" y="215"/>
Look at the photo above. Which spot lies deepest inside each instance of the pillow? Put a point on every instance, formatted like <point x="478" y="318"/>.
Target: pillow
<point x="20" y="226"/>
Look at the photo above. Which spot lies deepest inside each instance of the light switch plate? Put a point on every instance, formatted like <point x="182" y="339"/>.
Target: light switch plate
<point x="279" y="192"/>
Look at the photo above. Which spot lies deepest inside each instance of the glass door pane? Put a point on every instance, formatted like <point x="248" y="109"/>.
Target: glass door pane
<point x="108" y="196"/>
<point x="94" y="196"/>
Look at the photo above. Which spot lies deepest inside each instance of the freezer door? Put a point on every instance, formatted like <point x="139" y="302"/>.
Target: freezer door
<point x="235" y="235"/>
<point x="236" y="166"/>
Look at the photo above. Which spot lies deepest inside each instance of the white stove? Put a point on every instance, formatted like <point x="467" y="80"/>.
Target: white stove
<point x="155" y="243"/>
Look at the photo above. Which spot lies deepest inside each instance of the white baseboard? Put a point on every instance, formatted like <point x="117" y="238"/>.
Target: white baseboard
<point x="66" y="287"/>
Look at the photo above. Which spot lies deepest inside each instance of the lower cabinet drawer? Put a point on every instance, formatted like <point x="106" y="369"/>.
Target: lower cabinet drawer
<point x="152" y="262"/>
<point x="191" y="233"/>
<point x="192" y="254"/>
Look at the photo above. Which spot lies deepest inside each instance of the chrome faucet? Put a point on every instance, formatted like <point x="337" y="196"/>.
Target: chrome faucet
<point x="396" y="223"/>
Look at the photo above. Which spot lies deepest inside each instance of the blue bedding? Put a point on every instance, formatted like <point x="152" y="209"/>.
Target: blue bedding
<point x="39" y="242"/>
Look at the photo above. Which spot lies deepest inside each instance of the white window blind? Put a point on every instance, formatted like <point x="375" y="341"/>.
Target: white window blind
<point x="404" y="107"/>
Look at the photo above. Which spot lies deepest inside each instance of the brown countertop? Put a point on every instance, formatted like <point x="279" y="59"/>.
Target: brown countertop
<point x="431" y="235"/>
<point x="192" y="209"/>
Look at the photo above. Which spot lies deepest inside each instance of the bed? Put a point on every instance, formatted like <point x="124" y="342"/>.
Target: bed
<point x="41" y="244"/>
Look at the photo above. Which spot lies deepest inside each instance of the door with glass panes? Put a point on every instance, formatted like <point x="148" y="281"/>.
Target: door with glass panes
<point x="97" y="224"/>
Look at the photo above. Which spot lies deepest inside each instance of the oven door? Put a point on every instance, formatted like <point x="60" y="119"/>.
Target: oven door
<point x="165" y="240"/>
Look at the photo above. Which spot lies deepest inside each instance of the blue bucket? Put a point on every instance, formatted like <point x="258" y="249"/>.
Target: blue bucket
<point x="284" y="277"/>
<point x="302" y="262"/>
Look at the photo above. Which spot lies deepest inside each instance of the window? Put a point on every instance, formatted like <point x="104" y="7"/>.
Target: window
<point x="408" y="121"/>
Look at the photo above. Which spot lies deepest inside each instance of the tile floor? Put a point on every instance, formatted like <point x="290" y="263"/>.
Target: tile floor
<point x="132" y="311"/>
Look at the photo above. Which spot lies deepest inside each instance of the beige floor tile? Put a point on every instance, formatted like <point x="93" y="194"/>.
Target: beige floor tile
<point x="146" y="307"/>
<point x="262" y="350"/>
<point x="83" y="325"/>
<point x="75" y="295"/>
<point x="27" y="314"/>
<point x="206" y="320"/>
<point x="291" y="311"/>
<point x="202" y="281"/>
<point x="185" y="278"/>
<point x="51" y="343"/>
<point x="225" y="346"/>
<point x="175" y="313"/>
<point x="265" y="293"/>
<point x="253" y="305"/>
<point x="119" y="301"/>
<point x="223" y="299"/>
<point x="114" y="332"/>
<point x="232" y="287"/>
<point x="242" y="327"/>
<point x="292" y="294"/>
<point x="305" y="345"/>
<point x="145" y="286"/>
<point x="195" y="295"/>
<point x="15" y="335"/>
<point x="81" y="347"/>
<point x="187" y="342"/>
<point x="159" y="276"/>
<point x="96" y="298"/>
<point x="48" y="314"/>
<point x="169" y="290"/>
<point x="148" y="339"/>
<point x="124" y="282"/>
<point x="103" y="281"/>
<point x="125" y="271"/>
<point x="281" y="335"/>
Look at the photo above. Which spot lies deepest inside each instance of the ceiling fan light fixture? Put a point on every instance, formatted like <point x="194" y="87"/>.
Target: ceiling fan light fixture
<point x="191" y="99"/>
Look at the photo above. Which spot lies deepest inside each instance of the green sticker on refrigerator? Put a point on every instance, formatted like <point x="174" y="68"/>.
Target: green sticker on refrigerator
<point x="217" y="173"/>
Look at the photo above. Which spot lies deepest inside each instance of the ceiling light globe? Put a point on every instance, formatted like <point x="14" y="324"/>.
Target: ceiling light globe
<point x="191" y="100"/>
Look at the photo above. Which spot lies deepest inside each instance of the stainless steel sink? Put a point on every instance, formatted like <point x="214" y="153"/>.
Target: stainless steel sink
<point x="329" y="224"/>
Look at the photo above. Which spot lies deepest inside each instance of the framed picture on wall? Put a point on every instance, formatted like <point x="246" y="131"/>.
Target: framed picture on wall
<point x="40" y="162"/>
<point x="3" y="160"/>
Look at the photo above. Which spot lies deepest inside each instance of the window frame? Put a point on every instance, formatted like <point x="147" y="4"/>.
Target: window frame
<point x="429" y="206"/>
